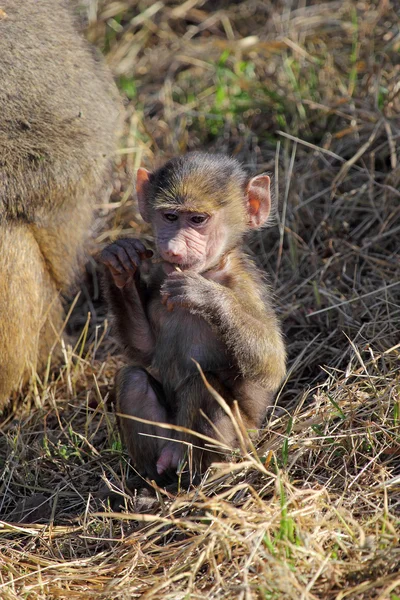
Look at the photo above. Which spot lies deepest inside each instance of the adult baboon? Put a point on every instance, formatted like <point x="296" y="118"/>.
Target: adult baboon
<point x="58" y="114"/>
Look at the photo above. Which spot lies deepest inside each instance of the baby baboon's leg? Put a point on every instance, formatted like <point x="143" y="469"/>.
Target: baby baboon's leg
<point x="140" y="395"/>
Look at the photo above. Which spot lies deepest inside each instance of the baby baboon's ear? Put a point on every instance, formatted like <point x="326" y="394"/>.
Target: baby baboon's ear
<point x="142" y="185"/>
<point x="258" y="200"/>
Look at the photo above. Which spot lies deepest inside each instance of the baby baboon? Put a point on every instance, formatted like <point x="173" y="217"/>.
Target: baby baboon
<point x="58" y="115"/>
<point x="203" y="300"/>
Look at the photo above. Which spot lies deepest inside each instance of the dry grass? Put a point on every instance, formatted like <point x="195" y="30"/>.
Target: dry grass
<point x="312" y="94"/>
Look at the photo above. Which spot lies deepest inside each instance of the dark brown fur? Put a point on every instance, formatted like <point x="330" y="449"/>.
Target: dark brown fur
<point x="58" y="114"/>
<point x="217" y="312"/>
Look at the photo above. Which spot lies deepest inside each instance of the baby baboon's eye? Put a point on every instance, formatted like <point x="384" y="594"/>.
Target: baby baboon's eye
<point x="170" y="217"/>
<point x="199" y="219"/>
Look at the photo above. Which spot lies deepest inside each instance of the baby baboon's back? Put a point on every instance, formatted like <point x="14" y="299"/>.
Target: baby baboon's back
<point x="58" y="114"/>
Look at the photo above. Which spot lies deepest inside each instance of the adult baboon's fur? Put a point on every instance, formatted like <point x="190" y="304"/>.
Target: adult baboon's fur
<point x="58" y="114"/>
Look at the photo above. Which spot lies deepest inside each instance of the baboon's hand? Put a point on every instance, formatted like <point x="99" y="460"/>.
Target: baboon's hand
<point x="123" y="259"/>
<point x="188" y="290"/>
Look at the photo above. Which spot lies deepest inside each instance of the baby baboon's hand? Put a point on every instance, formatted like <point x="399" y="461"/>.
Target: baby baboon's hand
<point x="123" y="259"/>
<point x="187" y="290"/>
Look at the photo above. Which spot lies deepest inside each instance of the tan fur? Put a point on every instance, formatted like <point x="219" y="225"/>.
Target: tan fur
<point x="59" y="110"/>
